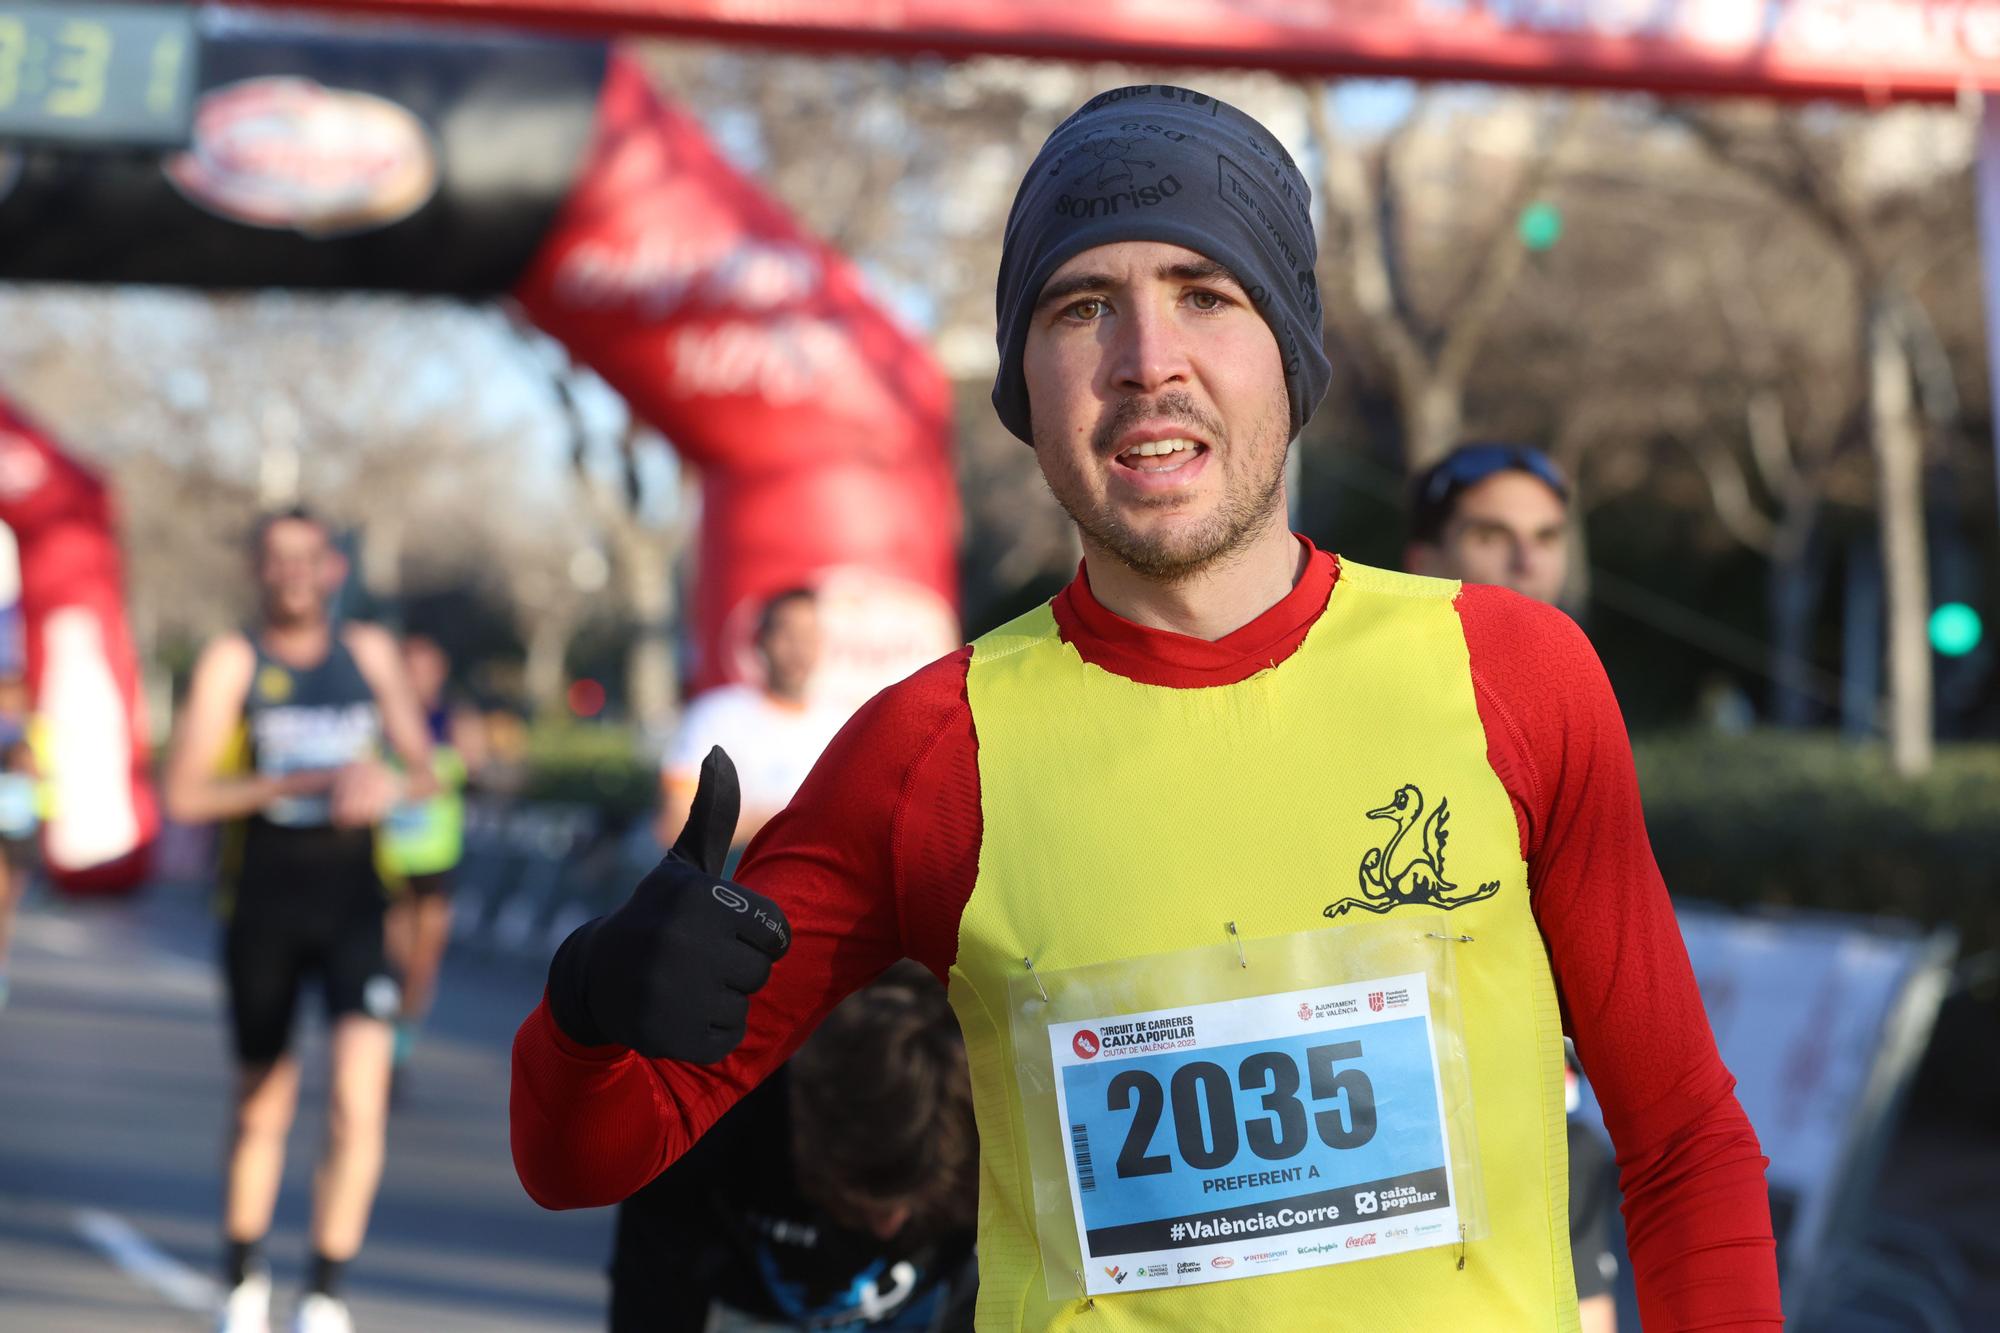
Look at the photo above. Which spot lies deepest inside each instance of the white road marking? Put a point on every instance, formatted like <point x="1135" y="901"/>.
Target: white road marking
<point x="58" y="936"/>
<point x="146" y="1262"/>
<point x="75" y="941"/>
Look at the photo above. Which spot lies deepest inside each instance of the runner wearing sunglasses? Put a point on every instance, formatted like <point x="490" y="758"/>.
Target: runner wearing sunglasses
<point x="1493" y="513"/>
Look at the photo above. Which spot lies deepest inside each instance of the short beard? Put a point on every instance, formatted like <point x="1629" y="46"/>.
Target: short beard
<point x="1235" y="524"/>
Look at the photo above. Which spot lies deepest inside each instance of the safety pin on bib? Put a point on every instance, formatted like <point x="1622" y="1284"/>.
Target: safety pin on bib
<point x="1029" y="963"/>
<point x="1089" y="1301"/>
<point x="1455" y="939"/>
<point x="1230" y="926"/>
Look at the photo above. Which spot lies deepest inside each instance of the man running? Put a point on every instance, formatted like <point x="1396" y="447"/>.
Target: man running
<point x="1499" y="514"/>
<point x="423" y="840"/>
<point x="1232" y="854"/>
<point x="280" y="736"/>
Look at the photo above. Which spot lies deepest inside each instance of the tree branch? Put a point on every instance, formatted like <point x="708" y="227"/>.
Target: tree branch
<point x="1352" y="262"/>
<point x="1729" y="489"/>
<point x="1502" y="255"/>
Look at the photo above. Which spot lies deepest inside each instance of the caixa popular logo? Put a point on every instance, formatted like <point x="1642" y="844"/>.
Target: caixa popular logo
<point x="1085" y="1044"/>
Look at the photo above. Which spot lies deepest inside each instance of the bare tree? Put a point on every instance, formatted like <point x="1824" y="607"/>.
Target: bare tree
<point x="1369" y="203"/>
<point x="646" y="539"/>
<point x="1820" y="176"/>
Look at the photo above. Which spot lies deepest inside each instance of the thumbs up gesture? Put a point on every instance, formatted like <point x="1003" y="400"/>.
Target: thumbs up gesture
<point x="670" y="973"/>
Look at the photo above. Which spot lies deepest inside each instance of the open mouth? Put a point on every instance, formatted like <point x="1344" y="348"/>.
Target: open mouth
<point x="1162" y="456"/>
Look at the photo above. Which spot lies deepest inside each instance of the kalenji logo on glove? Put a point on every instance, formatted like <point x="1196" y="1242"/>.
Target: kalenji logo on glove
<point x="730" y="898"/>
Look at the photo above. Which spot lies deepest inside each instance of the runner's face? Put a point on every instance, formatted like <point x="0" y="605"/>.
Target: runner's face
<point x="1510" y="530"/>
<point x="298" y="571"/>
<point x="427" y="667"/>
<point x="1142" y="344"/>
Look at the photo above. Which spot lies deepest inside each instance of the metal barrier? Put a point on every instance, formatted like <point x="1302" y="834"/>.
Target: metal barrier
<point x="532" y="873"/>
<point x="1823" y="1019"/>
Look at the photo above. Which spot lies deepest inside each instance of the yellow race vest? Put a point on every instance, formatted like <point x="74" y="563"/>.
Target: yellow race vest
<point x="1124" y="820"/>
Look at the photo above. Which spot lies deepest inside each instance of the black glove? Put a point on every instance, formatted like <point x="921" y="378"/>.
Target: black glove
<point x="670" y="974"/>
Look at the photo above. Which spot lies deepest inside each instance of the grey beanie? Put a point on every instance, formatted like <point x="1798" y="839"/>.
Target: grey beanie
<point x="1160" y="163"/>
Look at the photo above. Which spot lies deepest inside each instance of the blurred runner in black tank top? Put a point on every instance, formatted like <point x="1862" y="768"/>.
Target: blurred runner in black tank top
<point x="281" y="739"/>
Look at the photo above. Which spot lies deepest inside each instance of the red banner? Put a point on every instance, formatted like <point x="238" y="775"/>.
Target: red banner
<point x="83" y="679"/>
<point x="1872" y="49"/>
<point x="821" y="430"/>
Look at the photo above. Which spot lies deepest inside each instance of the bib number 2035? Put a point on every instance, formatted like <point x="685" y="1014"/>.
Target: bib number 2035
<point x="1203" y="1099"/>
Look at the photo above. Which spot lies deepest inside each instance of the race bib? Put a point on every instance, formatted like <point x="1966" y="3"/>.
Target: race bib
<point x="1231" y="1137"/>
<point x="1268" y="1134"/>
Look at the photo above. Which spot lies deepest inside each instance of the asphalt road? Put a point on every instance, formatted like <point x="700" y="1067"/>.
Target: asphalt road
<point x="112" y="1091"/>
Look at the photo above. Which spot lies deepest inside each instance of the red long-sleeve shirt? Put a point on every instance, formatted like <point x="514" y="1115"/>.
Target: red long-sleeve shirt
<point x="876" y="858"/>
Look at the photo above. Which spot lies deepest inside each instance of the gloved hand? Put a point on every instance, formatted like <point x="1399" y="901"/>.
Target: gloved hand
<point x="671" y="972"/>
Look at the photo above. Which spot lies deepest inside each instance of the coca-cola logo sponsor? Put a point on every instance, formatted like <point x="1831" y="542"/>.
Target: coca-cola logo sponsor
<point x="1361" y="1241"/>
<point x="782" y="360"/>
<point x="289" y="153"/>
<point x="658" y="275"/>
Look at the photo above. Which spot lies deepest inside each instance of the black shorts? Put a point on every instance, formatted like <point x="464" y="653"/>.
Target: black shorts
<point x="435" y="885"/>
<point x="307" y="908"/>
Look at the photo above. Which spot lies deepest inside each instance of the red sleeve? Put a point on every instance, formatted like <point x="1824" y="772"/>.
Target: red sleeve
<point x="873" y="861"/>
<point x="1697" y="1214"/>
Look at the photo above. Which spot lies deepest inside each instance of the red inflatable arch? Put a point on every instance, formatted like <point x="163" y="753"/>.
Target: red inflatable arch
<point x="820" y="428"/>
<point x="83" y="677"/>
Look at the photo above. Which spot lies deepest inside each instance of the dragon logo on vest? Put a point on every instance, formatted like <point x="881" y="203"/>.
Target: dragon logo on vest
<point x="1408" y="869"/>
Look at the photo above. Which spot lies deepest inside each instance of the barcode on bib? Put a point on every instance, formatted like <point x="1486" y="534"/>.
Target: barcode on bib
<point x="1079" y="1142"/>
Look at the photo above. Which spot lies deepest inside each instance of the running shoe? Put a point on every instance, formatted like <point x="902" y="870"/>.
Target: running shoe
<point x="320" y="1313"/>
<point x="247" y="1309"/>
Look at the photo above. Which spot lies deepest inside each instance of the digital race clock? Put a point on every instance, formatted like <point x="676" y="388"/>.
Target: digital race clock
<point x="79" y="72"/>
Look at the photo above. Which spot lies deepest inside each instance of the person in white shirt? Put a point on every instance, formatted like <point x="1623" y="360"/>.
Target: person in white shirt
<point x="774" y="731"/>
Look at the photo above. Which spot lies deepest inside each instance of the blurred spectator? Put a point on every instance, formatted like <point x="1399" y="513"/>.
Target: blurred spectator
<point x="774" y="731"/>
<point x="840" y="1193"/>
<point x="20" y="811"/>
<point x="1499" y="514"/>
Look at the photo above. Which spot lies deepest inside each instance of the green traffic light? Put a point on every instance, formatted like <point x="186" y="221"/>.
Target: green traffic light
<point x="1541" y="226"/>
<point x="1956" y="629"/>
